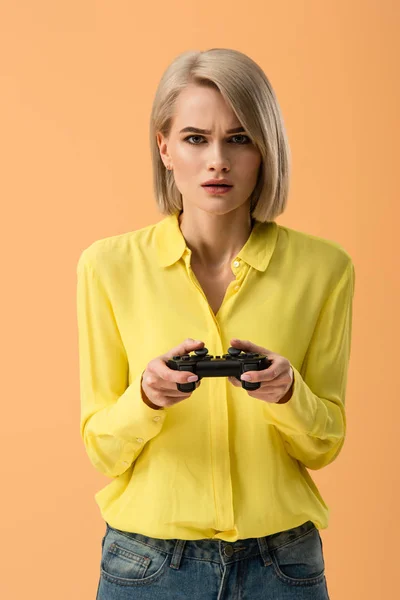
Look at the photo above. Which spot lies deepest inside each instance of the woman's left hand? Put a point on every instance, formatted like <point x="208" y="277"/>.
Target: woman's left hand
<point x="276" y="381"/>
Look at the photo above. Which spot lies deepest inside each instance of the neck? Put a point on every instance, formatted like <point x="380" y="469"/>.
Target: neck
<point x="215" y="240"/>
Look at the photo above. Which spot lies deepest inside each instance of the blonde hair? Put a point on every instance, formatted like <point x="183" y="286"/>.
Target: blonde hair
<point x="246" y="88"/>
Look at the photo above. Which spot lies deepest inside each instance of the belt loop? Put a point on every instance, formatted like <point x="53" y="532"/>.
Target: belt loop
<point x="177" y="554"/>
<point x="264" y="551"/>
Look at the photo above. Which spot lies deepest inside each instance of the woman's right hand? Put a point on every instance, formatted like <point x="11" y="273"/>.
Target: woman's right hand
<point x="159" y="389"/>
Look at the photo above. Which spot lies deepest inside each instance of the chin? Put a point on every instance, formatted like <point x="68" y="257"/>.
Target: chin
<point x="218" y="210"/>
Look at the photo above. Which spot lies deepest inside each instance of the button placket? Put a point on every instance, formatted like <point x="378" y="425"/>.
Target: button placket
<point x="196" y="283"/>
<point x="236" y="265"/>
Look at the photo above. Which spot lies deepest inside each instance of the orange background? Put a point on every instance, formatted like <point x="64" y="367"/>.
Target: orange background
<point x="77" y="84"/>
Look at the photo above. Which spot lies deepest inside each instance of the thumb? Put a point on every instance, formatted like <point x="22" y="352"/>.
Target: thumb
<point x="192" y="342"/>
<point x="248" y="346"/>
<point x="187" y="346"/>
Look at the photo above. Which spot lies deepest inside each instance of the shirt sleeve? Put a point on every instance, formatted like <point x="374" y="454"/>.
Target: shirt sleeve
<point x="115" y="422"/>
<point x="312" y="424"/>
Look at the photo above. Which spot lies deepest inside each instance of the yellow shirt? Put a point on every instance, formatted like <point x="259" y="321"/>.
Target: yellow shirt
<point x="220" y="464"/>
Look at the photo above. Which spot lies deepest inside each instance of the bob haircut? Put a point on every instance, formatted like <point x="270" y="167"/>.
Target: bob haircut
<point x="245" y="87"/>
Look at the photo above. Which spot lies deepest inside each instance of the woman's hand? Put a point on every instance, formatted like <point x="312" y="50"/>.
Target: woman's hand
<point x="276" y="381"/>
<point x="158" y="383"/>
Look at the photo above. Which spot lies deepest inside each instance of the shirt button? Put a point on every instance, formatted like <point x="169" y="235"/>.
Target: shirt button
<point x="140" y="440"/>
<point x="156" y="418"/>
<point x="237" y="287"/>
<point x="236" y="263"/>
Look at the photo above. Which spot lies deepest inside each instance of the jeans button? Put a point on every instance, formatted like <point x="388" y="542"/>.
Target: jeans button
<point x="228" y="551"/>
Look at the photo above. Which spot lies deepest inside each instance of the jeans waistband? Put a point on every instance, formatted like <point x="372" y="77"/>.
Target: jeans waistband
<point x="219" y="550"/>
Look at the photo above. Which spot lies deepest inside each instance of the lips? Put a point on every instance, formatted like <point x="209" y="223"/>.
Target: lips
<point x="216" y="185"/>
<point x="215" y="181"/>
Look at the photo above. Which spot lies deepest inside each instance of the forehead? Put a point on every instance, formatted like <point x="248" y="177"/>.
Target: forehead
<point x="195" y="101"/>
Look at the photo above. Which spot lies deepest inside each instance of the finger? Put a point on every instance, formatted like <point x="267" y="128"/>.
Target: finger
<point x="250" y="346"/>
<point x="171" y="395"/>
<point x="177" y="395"/>
<point x="159" y="372"/>
<point x="269" y="374"/>
<point x="187" y="346"/>
<point x="173" y="390"/>
<point x="174" y="393"/>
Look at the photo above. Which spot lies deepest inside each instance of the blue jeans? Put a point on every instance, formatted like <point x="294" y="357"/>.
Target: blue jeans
<point x="281" y="566"/>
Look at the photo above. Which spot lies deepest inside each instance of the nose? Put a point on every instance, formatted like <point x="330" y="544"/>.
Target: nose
<point x="218" y="159"/>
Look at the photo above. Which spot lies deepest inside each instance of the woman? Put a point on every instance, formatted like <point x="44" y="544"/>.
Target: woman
<point x="210" y="495"/>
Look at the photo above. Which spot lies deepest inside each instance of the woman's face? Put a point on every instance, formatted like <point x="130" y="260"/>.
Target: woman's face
<point x="197" y="157"/>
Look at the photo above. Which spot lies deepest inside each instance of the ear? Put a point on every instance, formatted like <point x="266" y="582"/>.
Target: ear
<point x="162" y="143"/>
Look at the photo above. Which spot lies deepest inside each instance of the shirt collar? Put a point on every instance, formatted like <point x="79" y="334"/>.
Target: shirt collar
<point x="257" y="251"/>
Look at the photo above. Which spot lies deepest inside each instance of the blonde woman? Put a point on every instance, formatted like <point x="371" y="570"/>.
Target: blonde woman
<point x="210" y="497"/>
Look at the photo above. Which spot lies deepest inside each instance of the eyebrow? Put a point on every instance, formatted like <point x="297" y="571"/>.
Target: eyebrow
<point x="197" y="130"/>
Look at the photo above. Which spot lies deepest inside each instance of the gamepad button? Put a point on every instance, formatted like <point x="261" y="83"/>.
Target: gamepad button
<point x="234" y="351"/>
<point x="201" y="352"/>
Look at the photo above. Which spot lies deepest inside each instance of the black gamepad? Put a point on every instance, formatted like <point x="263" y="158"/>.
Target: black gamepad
<point x="232" y="364"/>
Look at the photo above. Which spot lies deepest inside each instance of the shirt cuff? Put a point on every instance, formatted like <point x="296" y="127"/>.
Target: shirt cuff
<point x="137" y="422"/>
<point x="297" y="415"/>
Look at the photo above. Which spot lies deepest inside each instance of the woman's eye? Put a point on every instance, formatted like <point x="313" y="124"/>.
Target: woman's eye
<point x="247" y="140"/>
<point x="192" y="136"/>
<point x="241" y="135"/>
